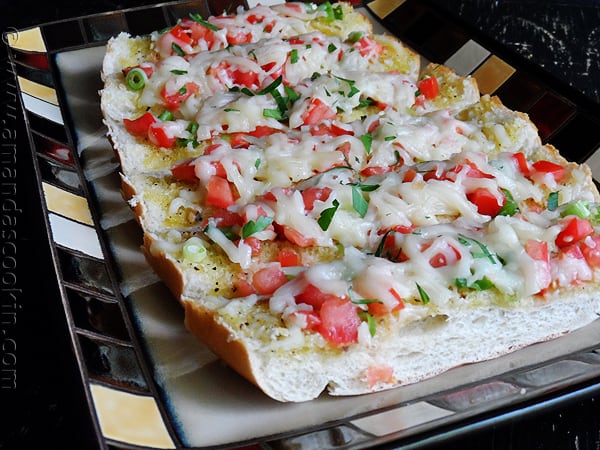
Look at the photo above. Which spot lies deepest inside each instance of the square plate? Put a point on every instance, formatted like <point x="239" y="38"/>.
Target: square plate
<point x="152" y="385"/>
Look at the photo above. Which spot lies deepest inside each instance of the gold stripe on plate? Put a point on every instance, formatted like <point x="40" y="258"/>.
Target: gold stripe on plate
<point x="492" y="74"/>
<point x="130" y="418"/>
<point x="382" y="8"/>
<point x="67" y="204"/>
<point x="28" y="40"/>
<point x="38" y="90"/>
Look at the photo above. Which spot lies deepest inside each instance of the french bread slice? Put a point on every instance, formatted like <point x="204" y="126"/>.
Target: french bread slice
<point x="422" y="228"/>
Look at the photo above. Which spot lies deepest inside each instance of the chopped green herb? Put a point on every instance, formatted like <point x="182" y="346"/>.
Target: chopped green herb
<point x="178" y="72"/>
<point x="510" y="207"/>
<point x="231" y="110"/>
<point x="366" y="317"/>
<point x="389" y="138"/>
<point x="273" y="114"/>
<point x="359" y="203"/>
<point x="177" y="49"/>
<point x="482" y="285"/>
<point x="331" y="48"/>
<point x="327" y="215"/>
<point x="367" y="140"/>
<point x="251" y="227"/>
<point x="292" y="95"/>
<point x="198" y="18"/>
<point x="424" y="296"/>
<point x="485" y="253"/>
<point x="257" y="163"/>
<point x="271" y="87"/>
<point x="294" y="56"/>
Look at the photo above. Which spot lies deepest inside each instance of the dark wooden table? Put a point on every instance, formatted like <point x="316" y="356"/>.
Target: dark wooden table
<point x="44" y="406"/>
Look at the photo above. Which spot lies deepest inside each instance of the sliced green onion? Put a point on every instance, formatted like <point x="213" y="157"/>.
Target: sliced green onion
<point x="326" y="216"/>
<point x="355" y="36"/>
<point x="166" y="115"/>
<point x="136" y="79"/>
<point x="579" y="208"/>
<point x="552" y="201"/>
<point x="194" y="250"/>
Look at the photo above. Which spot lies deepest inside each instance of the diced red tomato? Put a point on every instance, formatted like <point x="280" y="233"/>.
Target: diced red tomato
<point x="574" y="230"/>
<point x="158" y="135"/>
<point x="139" y="126"/>
<point x="313" y="321"/>
<point x="242" y="287"/>
<point x="522" y="164"/>
<point x="222" y="217"/>
<point x="317" y="112"/>
<point x="295" y="41"/>
<point x="368" y="46"/>
<point x="268" y="280"/>
<point x="254" y="243"/>
<point x="219" y="192"/>
<point x="571" y="266"/>
<point x="242" y="37"/>
<point x="185" y="170"/>
<point x="372" y="171"/>
<point x="486" y="202"/>
<point x="173" y="100"/>
<point x="238" y="140"/>
<point x="339" y="321"/>
<point x="332" y="129"/>
<point x="182" y="34"/>
<point x="544" y="167"/>
<point x="288" y="257"/>
<point x="590" y="247"/>
<point x="429" y="87"/>
<point x="200" y="33"/>
<point x="255" y="18"/>
<point x="313" y="194"/>
<point x="443" y="259"/>
<point x="314" y="297"/>
<point x="409" y="175"/>
<point x="379" y="374"/>
<point x="298" y="238"/>
<point x="538" y="251"/>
